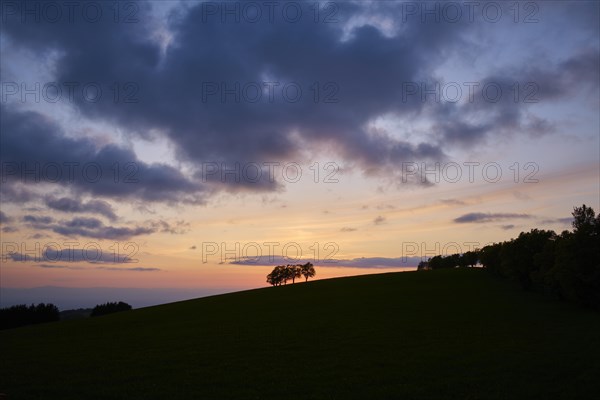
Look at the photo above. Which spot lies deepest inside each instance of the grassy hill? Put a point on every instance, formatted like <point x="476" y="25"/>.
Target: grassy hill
<point x="438" y="334"/>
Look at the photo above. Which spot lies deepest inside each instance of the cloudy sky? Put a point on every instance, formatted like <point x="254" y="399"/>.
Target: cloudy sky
<point x="192" y="145"/>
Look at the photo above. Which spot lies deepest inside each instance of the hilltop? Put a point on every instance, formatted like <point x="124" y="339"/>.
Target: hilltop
<point x="456" y="333"/>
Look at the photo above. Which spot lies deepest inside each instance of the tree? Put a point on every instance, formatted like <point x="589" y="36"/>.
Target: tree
<point x="294" y="271"/>
<point x="423" y="265"/>
<point x="283" y="273"/>
<point x="272" y="279"/>
<point x="21" y="315"/>
<point x="470" y="258"/>
<point x="489" y="257"/>
<point x="577" y="262"/>
<point x="278" y="275"/>
<point x="436" y="262"/>
<point x="584" y="221"/>
<point x="109" y="308"/>
<point x="565" y="265"/>
<point x="308" y="271"/>
<point x="522" y="252"/>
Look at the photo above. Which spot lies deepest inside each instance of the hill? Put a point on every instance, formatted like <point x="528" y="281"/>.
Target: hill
<point x="437" y="334"/>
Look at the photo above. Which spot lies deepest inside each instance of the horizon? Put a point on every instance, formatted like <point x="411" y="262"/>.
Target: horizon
<point x="168" y="148"/>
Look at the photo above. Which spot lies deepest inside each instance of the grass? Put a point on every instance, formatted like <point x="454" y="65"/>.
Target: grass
<point x="414" y="335"/>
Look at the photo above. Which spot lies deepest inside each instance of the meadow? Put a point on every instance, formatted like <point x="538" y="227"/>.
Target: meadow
<point x="455" y="334"/>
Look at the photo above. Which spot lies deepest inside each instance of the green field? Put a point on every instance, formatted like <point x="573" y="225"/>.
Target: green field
<point x="426" y="335"/>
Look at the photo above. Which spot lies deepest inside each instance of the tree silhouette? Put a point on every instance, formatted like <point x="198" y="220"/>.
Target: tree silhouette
<point x="277" y="276"/>
<point x="109" y="308"/>
<point x="308" y="271"/>
<point x="294" y="271"/>
<point x="283" y="273"/>
<point x="21" y="315"/>
<point x="566" y="265"/>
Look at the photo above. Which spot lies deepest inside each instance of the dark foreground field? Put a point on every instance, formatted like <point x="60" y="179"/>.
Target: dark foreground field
<point x="437" y="334"/>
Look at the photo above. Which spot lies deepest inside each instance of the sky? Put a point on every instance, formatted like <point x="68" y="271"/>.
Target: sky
<point x="163" y="150"/>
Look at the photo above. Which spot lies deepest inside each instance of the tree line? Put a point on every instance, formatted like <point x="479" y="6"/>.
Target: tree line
<point x="284" y="273"/>
<point x="565" y="265"/>
<point x="468" y="259"/>
<point x="21" y="315"/>
<point x="109" y="308"/>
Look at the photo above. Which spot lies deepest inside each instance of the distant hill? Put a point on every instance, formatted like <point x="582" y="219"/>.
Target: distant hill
<point x="456" y="333"/>
<point x="79" y="313"/>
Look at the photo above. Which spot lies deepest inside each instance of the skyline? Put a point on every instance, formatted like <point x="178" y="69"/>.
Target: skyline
<point x="176" y="141"/>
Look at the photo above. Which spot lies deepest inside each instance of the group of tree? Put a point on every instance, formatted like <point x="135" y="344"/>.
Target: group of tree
<point x="109" y="308"/>
<point x="21" y="315"/>
<point x="566" y="265"/>
<point x="284" y="273"/>
<point x="468" y="259"/>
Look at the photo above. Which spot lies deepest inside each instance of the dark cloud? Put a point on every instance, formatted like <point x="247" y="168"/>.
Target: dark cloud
<point x="359" y="77"/>
<point x="36" y="221"/>
<point x="12" y="192"/>
<point x="34" y="143"/>
<point x="507" y="227"/>
<point x="86" y="227"/>
<point x="560" y="221"/>
<point x="9" y="229"/>
<point x="452" y="202"/>
<point x="74" y="205"/>
<point x="92" y="253"/>
<point x="498" y="111"/>
<point x="379" y="220"/>
<point x="58" y="266"/>
<point x="182" y="91"/>
<point x="178" y="228"/>
<point x="488" y="217"/>
<point x="16" y="256"/>
<point x="94" y="228"/>
<point x="4" y="218"/>
<point x="347" y="229"/>
<point x="38" y="236"/>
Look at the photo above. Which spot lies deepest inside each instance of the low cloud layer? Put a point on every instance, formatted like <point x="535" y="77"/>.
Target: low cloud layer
<point x="363" y="262"/>
<point x="488" y="217"/>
